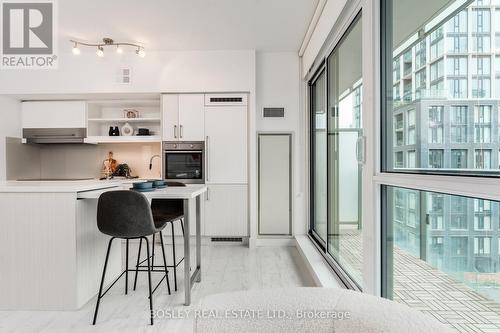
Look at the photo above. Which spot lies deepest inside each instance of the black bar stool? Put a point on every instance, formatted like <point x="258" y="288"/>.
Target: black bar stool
<point x="165" y="211"/>
<point x="127" y="215"/>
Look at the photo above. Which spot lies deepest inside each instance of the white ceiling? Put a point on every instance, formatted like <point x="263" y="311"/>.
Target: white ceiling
<point x="264" y="25"/>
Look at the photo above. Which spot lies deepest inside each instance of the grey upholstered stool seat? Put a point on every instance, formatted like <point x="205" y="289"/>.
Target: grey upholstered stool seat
<point x="127" y="215"/>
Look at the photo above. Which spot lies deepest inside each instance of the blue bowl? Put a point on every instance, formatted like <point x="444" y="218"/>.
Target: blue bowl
<point x="144" y="185"/>
<point x="157" y="183"/>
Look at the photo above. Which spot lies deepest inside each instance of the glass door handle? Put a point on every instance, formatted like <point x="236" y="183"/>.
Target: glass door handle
<point x="361" y="149"/>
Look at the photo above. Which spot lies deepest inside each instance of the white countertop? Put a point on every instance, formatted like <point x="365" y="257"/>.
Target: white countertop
<point x="56" y="186"/>
<point x="170" y="192"/>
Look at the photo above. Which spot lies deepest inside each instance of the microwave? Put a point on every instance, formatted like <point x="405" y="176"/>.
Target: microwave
<point x="184" y="161"/>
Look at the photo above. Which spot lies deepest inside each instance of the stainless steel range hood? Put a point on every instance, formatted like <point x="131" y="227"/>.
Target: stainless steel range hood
<point x="54" y="135"/>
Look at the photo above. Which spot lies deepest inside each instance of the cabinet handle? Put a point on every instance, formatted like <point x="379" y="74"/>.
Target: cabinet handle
<point x="208" y="194"/>
<point x="180" y="131"/>
<point x="175" y="131"/>
<point x="208" y="158"/>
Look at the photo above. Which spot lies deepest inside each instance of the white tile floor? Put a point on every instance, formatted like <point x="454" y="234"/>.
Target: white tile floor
<point x="224" y="268"/>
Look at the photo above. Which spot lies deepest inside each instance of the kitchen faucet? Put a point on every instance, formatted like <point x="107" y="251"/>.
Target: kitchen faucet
<point x="151" y="161"/>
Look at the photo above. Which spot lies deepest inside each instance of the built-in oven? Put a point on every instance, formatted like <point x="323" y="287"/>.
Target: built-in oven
<point x="184" y="161"/>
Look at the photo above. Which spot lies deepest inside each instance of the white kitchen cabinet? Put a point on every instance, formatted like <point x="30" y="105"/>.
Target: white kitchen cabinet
<point x="226" y="144"/>
<point x="183" y="117"/>
<point x="226" y="211"/>
<point x="54" y="114"/>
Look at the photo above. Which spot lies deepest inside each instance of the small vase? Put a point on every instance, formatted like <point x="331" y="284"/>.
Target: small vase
<point x="127" y="130"/>
<point x="111" y="131"/>
<point x="117" y="131"/>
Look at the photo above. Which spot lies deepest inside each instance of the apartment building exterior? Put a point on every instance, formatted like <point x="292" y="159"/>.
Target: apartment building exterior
<point x="446" y="92"/>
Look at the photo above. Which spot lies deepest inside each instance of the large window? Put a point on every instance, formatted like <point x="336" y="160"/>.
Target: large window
<point x="452" y="94"/>
<point x="441" y="228"/>
<point x="460" y="241"/>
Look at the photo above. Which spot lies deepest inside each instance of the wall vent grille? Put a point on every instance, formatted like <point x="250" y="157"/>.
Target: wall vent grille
<point x="273" y="112"/>
<point x="125" y="76"/>
<point x="227" y="239"/>
<point x="226" y="99"/>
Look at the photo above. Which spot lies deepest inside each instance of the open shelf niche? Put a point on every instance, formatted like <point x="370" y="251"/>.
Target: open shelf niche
<point x="103" y="114"/>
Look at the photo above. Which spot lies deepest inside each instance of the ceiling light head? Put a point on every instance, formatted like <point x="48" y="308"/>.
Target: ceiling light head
<point x="119" y="49"/>
<point x="100" y="51"/>
<point x="76" y="50"/>
<point x="140" y="52"/>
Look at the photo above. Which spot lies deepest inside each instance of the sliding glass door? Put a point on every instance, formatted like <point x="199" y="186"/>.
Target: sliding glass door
<point x="337" y="154"/>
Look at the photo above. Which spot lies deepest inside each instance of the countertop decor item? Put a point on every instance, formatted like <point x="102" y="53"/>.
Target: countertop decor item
<point x="131" y="113"/>
<point x="123" y="170"/>
<point x="127" y="130"/>
<point x="109" y="166"/>
<point x="107" y="42"/>
<point x="143" y="131"/>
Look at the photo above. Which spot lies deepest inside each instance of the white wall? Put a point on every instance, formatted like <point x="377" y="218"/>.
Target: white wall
<point x="10" y="125"/>
<point x="193" y="71"/>
<point x="278" y="85"/>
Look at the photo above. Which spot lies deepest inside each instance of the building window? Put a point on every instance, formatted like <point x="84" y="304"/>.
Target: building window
<point x="482" y="124"/>
<point x="481" y="66"/>
<point x="420" y="56"/>
<point x="481" y="87"/>
<point x="436" y="158"/>
<point x="457" y="44"/>
<point x="436" y="124"/>
<point x="420" y="83"/>
<point x="398" y="159"/>
<point x="411" y="123"/>
<point x="482" y="214"/>
<point x="399" y="129"/>
<point x="411" y="159"/>
<point x="456" y="66"/>
<point x="482" y="245"/>
<point x="459" y="158"/>
<point x="481" y="44"/>
<point x="458" y="120"/>
<point x="457" y="88"/>
<point x="480" y="20"/>
<point x="437" y="70"/>
<point x="458" y="23"/>
<point x="436" y="41"/>
<point x="483" y="159"/>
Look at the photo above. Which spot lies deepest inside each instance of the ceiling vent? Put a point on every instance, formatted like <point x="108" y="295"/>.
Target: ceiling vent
<point x="273" y="112"/>
<point x="125" y="76"/>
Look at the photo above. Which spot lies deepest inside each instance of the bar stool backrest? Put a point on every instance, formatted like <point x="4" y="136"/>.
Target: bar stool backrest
<point x="125" y="214"/>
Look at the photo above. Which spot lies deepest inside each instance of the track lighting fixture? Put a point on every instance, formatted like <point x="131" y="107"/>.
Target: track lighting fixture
<point x="107" y="42"/>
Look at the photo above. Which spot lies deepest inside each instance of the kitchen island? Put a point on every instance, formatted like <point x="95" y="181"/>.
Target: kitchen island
<point x="51" y="252"/>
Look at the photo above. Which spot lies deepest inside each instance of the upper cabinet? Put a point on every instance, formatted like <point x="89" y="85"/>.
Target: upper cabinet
<point x="183" y="117"/>
<point x="54" y="114"/>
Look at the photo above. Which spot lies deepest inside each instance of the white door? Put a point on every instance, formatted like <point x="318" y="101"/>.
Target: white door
<point x="192" y="117"/>
<point x="274" y="184"/>
<point x="170" y="105"/>
<point x="226" y="144"/>
<point x="226" y="212"/>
